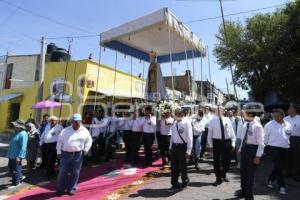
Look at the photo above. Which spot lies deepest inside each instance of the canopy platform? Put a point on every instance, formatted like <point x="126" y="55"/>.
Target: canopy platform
<point x="160" y="32"/>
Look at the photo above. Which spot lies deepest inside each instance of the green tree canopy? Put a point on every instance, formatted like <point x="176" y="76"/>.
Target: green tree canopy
<point x="264" y="52"/>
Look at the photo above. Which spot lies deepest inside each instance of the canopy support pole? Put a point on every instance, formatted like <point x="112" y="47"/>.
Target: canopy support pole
<point x="131" y="79"/>
<point x="171" y="61"/>
<point x="115" y="78"/>
<point x="187" y="66"/>
<point x="98" y="74"/>
<point x="193" y="63"/>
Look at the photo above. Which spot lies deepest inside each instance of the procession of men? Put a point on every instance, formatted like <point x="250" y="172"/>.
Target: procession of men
<point x="183" y="136"/>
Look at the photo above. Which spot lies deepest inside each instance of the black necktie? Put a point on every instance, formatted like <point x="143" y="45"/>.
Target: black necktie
<point x="246" y="134"/>
<point x="222" y="129"/>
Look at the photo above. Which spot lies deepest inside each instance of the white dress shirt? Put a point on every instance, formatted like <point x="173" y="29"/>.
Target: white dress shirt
<point x="125" y="124"/>
<point x="185" y="130"/>
<point x="255" y="136"/>
<point x="113" y="124"/>
<point x="99" y="126"/>
<point x="198" y="126"/>
<point x="214" y="130"/>
<point x="295" y="123"/>
<point x="137" y="125"/>
<point x="208" y="116"/>
<point x="240" y="129"/>
<point x="50" y="134"/>
<point x="278" y="135"/>
<point x="71" y="140"/>
<point x="165" y="125"/>
<point x="149" y="125"/>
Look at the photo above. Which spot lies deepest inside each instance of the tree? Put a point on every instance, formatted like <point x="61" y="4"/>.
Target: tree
<point x="265" y="52"/>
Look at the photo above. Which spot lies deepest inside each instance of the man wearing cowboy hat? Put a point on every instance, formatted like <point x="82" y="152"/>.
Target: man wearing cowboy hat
<point x="17" y="152"/>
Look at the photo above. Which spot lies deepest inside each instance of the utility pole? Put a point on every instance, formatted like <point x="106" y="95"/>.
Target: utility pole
<point x="41" y="77"/>
<point x="227" y="86"/>
<point x="228" y="50"/>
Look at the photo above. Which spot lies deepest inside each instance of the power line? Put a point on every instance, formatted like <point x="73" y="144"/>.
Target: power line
<point x="11" y="14"/>
<point x="233" y="14"/>
<point x="187" y="22"/>
<point x="44" y="17"/>
<point x="74" y="37"/>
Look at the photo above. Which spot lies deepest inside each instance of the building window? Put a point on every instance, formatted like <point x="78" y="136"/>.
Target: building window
<point x="8" y="76"/>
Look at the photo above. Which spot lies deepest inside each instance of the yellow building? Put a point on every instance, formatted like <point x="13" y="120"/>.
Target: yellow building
<point x="81" y="90"/>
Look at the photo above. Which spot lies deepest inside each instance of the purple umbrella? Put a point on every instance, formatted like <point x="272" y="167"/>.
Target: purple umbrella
<point x="46" y="105"/>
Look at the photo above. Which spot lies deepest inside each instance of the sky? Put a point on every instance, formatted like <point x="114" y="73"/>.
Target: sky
<point x="20" y="31"/>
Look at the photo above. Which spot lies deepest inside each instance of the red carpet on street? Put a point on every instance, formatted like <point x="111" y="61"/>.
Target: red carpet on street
<point x="94" y="183"/>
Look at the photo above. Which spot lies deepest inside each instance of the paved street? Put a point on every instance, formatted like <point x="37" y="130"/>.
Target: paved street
<point x="201" y="186"/>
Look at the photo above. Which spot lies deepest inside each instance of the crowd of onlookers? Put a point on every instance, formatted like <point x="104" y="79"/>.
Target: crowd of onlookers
<point x="181" y="134"/>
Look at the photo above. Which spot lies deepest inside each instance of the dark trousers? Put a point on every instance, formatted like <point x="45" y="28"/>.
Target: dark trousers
<point x="50" y="149"/>
<point x="293" y="167"/>
<point x="248" y="168"/>
<point x="278" y="155"/>
<point x="44" y="156"/>
<point x="221" y="151"/>
<point x="178" y="164"/>
<point x="15" y="170"/>
<point x="127" y="135"/>
<point x="136" y="145"/>
<point x="148" y="139"/>
<point x="203" y="143"/>
<point x="164" y="143"/>
<point x="98" y="148"/>
<point x="110" y="145"/>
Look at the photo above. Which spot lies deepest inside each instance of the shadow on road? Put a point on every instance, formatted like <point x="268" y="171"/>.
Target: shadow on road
<point x="152" y="193"/>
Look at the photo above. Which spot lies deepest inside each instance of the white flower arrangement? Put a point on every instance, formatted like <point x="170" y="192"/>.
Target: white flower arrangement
<point x="167" y="106"/>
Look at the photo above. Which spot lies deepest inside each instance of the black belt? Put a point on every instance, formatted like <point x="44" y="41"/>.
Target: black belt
<point x="178" y="144"/>
<point x="251" y="145"/>
<point x="72" y="152"/>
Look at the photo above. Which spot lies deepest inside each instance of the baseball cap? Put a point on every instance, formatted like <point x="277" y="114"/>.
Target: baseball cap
<point x="76" y="117"/>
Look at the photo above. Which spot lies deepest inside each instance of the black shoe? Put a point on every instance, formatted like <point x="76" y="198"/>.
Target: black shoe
<point x="71" y="193"/>
<point x="217" y="182"/>
<point x="239" y="194"/>
<point x="226" y="180"/>
<point x="197" y="168"/>
<point x="174" y="189"/>
<point x="59" y="193"/>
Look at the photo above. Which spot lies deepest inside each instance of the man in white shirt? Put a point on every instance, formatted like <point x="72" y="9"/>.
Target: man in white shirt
<point x="110" y="139"/>
<point x="181" y="144"/>
<point x="198" y="124"/>
<point x="166" y="122"/>
<point x="251" y="151"/>
<point x="207" y="117"/>
<point x="125" y="124"/>
<point x="277" y="133"/>
<point x="137" y="131"/>
<point x="221" y="139"/>
<point x="237" y="124"/>
<point x="98" y="132"/>
<point x="49" y="140"/>
<point x="73" y="143"/>
<point x="149" y="129"/>
<point x="293" y="168"/>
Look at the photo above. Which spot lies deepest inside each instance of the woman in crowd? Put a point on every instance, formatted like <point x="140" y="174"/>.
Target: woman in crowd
<point x="33" y="145"/>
